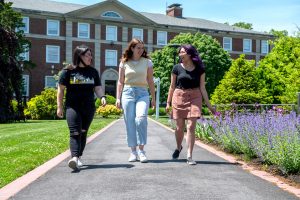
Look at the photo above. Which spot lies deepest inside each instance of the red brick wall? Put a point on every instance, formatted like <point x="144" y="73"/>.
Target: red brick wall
<point x="62" y="28"/>
<point x="129" y="34"/>
<point x="171" y="35"/>
<point x="119" y="34"/>
<point x="237" y="44"/>
<point x="103" y="32"/>
<point x="74" y="29"/>
<point x="154" y="37"/>
<point x="145" y="36"/>
<point x="38" y="26"/>
<point x="92" y="31"/>
<point x="38" y="56"/>
<point x="220" y="40"/>
<point x="253" y="45"/>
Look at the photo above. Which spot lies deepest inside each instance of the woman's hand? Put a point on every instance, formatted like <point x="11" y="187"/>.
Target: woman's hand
<point x="60" y="113"/>
<point x="70" y="67"/>
<point x="153" y="103"/>
<point x="118" y="103"/>
<point x="168" y="109"/>
<point x="103" y="101"/>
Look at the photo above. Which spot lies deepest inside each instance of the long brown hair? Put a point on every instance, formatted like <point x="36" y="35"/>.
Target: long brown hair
<point x="129" y="53"/>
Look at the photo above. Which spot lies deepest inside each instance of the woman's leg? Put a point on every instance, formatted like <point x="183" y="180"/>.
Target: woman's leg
<point x="87" y="118"/>
<point x="179" y="132"/>
<point x="74" y="123"/>
<point x="190" y="137"/>
<point x="129" y="105"/>
<point x="141" y="122"/>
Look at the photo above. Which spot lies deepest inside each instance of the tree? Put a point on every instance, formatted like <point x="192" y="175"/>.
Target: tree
<point x="281" y="69"/>
<point x="243" y="25"/>
<point x="216" y="60"/>
<point x="12" y="44"/>
<point x="278" y="33"/>
<point x="241" y="85"/>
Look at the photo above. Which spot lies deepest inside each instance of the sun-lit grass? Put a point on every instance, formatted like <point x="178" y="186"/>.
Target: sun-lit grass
<point x="25" y="146"/>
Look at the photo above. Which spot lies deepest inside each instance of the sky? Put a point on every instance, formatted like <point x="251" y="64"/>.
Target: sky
<point x="264" y="15"/>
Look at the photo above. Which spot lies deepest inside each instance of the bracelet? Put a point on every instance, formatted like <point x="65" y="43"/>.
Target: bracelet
<point x="103" y="97"/>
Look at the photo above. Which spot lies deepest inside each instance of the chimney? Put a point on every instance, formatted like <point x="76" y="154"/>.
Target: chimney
<point x="174" y="10"/>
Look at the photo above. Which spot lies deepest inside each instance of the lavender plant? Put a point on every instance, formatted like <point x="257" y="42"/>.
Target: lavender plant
<point x="272" y="136"/>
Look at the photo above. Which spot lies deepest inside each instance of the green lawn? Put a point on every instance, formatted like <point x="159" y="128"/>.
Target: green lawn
<point x="25" y="146"/>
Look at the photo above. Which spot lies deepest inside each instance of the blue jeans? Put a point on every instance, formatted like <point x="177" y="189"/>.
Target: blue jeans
<point x="135" y="104"/>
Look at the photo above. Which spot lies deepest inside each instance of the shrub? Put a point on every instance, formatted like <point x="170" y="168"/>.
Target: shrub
<point x="151" y="111"/>
<point x="107" y="110"/>
<point x="42" y="106"/>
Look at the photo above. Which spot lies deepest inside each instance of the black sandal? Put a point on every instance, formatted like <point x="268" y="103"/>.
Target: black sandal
<point x="176" y="153"/>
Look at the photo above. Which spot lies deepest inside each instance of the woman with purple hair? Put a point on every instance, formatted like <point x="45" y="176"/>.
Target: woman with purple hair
<point x="187" y="89"/>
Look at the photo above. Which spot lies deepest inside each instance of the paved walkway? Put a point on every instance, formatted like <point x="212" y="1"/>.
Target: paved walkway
<point x="108" y="175"/>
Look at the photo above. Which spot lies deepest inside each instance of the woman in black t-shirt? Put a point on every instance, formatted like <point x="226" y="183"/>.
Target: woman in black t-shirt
<point x="80" y="83"/>
<point x="187" y="89"/>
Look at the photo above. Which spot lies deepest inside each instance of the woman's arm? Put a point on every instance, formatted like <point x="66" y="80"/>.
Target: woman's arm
<point x="59" y="100"/>
<point x="120" y="86"/>
<point x="100" y="94"/>
<point x="204" y="93"/>
<point x="171" y="91"/>
<point x="151" y="85"/>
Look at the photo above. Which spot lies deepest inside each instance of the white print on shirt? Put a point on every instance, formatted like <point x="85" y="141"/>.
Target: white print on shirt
<point x="80" y="79"/>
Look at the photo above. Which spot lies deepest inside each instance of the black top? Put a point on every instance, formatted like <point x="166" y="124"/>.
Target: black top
<point x="80" y="84"/>
<point x="187" y="79"/>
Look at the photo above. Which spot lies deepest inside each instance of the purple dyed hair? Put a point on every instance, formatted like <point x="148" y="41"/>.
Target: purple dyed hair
<point x="192" y="51"/>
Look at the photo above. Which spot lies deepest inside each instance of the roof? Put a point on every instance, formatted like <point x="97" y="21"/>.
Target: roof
<point x="45" y="5"/>
<point x="196" y="23"/>
<point x="161" y="19"/>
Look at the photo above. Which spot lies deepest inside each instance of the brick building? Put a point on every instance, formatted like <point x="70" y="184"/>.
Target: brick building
<point x="55" y="28"/>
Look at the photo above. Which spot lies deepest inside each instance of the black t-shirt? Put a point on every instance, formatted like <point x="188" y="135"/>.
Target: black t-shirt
<point x="80" y="83"/>
<point x="187" y="79"/>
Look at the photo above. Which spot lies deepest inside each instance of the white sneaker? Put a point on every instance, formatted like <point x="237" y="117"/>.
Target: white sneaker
<point x="190" y="161"/>
<point x="79" y="162"/>
<point x="143" y="157"/>
<point x="73" y="163"/>
<point x="133" y="157"/>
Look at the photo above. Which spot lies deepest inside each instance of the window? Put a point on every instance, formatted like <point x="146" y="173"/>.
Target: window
<point x="52" y="54"/>
<point x="25" y="91"/>
<point x="25" y="28"/>
<point x="83" y="30"/>
<point x="264" y="46"/>
<point x="247" y="45"/>
<point x="50" y="82"/>
<point x="111" y="58"/>
<point x="53" y="27"/>
<point x="111" y="33"/>
<point x="227" y="43"/>
<point x="111" y="14"/>
<point x="161" y="37"/>
<point x="137" y="33"/>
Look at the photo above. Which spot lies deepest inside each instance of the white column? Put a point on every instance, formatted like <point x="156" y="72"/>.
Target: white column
<point x="69" y="45"/>
<point x="150" y="40"/>
<point x="97" y="56"/>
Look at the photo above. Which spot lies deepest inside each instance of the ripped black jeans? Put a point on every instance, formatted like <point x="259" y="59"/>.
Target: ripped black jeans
<point x="79" y="121"/>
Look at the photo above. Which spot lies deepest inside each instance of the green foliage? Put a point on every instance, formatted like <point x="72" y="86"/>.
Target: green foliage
<point x="42" y="106"/>
<point x="243" y="25"/>
<point x="241" y="85"/>
<point x="203" y="132"/>
<point x="280" y="70"/>
<point x="107" y="110"/>
<point x="279" y="34"/>
<point x="216" y="60"/>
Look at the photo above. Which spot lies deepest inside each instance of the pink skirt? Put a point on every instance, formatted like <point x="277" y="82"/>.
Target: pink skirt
<point x="186" y="103"/>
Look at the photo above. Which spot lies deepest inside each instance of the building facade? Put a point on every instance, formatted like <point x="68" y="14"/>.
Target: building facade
<point x="55" y="29"/>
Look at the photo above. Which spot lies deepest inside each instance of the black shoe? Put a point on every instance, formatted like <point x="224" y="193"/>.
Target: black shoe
<point x="176" y="153"/>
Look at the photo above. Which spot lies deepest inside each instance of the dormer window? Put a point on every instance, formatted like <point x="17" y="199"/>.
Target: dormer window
<point x="111" y="14"/>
